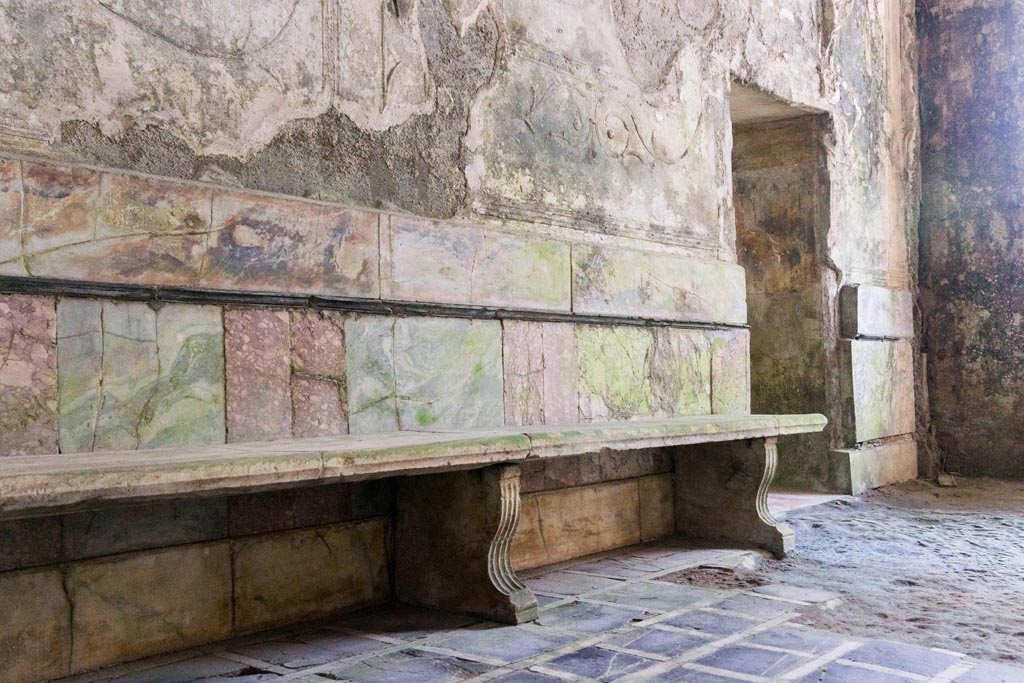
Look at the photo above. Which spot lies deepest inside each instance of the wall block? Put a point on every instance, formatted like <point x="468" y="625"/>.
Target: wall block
<point x="870" y="311"/>
<point x="877" y="384"/>
<point x="257" y="350"/>
<point x="625" y="282"/>
<point x="28" y="375"/>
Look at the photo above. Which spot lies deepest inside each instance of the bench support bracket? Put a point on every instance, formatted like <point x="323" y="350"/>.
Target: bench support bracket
<point x="453" y="541"/>
<point x="722" y="494"/>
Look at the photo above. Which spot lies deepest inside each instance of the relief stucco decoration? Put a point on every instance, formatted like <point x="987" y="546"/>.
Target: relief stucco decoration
<point x="223" y="76"/>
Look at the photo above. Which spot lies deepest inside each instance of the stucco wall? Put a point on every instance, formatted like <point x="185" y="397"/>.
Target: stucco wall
<point x="972" y="231"/>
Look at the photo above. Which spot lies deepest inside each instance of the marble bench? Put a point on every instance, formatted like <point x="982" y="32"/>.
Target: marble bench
<point x="455" y="519"/>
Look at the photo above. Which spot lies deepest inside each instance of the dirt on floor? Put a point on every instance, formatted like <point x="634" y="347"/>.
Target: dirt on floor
<point x="943" y="567"/>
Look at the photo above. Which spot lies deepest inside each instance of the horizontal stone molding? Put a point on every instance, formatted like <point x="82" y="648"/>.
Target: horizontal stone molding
<point x="855" y="470"/>
<point x="876" y="312"/>
<point x="221" y="297"/>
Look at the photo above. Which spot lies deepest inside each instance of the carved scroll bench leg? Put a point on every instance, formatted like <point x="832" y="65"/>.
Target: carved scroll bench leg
<point x="722" y="494"/>
<point x="453" y="537"/>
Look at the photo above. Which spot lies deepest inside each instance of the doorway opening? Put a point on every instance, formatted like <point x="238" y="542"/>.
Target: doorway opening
<point x="781" y="198"/>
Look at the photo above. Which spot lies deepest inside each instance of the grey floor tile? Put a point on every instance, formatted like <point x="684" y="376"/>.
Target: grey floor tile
<point x="408" y="666"/>
<point x="685" y="675"/>
<point x="310" y="649"/>
<point x="569" y="584"/>
<point x="798" y="638"/>
<point x="711" y="623"/>
<point x="658" y="642"/>
<point x="403" y="622"/>
<point x="620" y="567"/>
<point x="841" y="673"/>
<point x="753" y="661"/>
<point x="756" y="607"/>
<point x="990" y="672"/>
<point x="545" y="600"/>
<point x="505" y="643"/>
<point x="599" y="664"/>
<point x="589" y="618"/>
<point x="902" y="657"/>
<point x="198" y="669"/>
<point x="527" y="677"/>
<point x="654" y="595"/>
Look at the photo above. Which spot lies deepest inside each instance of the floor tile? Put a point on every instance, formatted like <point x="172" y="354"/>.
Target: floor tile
<point x="589" y="618"/>
<point x="711" y="623"/>
<point x="685" y="675"/>
<point x="753" y="661"/>
<point x="404" y="623"/>
<point x="620" y="567"/>
<point x="990" y="672"/>
<point x="902" y="657"/>
<point x="598" y="663"/>
<point x="408" y="666"/>
<point x="313" y="649"/>
<point x="658" y="642"/>
<point x="811" y="595"/>
<point x="505" y="643"/>
<point x="654" y="595"/>
<point x="567" y="583"/>
<point x="527" y="677"/>
<point x="841" y="673"/>
<point x="198" y="669"/>
<point x="798" y="638"/>
<point x="755" y="607"/>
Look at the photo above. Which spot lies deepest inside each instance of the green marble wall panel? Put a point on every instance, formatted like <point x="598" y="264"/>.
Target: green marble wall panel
<point x="730" y="371"/>
<point x="649" y="284"/>
<point x="464" y="264"/>
<point x="132" y="377"/>
<point x="423" y="373"/>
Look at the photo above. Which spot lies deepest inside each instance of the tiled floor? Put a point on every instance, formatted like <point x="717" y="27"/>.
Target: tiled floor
<point x="610" y="618"/>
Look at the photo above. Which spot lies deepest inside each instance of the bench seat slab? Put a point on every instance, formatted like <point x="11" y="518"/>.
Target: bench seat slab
<point x="722" y="494"/>
<point x="453" y="540"/>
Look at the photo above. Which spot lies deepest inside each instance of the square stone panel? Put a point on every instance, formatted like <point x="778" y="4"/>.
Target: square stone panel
<point x="685" y="675"/>
<point x="902" y="657"/>
<point x="653" y="595"/>
<point x="711" y="623"/>
<point x="404" y="622"/>
<point x="568" y="583"/>
<point x="797" y="638"/>
<point x="589" y="618"/>
<point x="841" y="673"/>
<point x="598" y="663"/>
<point x="409" y="666"/>
<point x="35" y="638"/>
<point x="205" y="668"/>
<point x="753" y="661"/>
<point x="752" y="606"/>
<point x="294" y="653"/>
<point x="990" y="672"/>
<point x="659" y="642"/>
<point x="505" y="643"/>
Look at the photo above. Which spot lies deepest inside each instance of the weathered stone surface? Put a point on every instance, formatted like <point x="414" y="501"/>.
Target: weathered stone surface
<point x="448" y="373"/>
<point x="132" y="377"/>
<point x="258" y="513"/>
<point x="30" y="542"/>
<point x="657" y="507"/>
<point x="266" y="243"/>
<point x="10" y="218"/>
<point x="370" y="364"/>
<point x="730" y="372"/>
<point x="628" y="372"/>
<point x="870" y="311"/>
<point x="118" y="614"/>
<point x="257" y="351"/>
<point x="319" y="395"/>
<point x="464" y="264"/>
<point x="681" y="372"/>
<point x="147" y="231"/>
<point x="154" y="525"/>
<point x="411" y="373"/>
<point x="855" y="470"/>
<point x="561" y="374"/>
<point x="877" y="380"/>
<point x="523" y="353"/>
<point x="187" y="407"/>
<point x="614" y="281"/>
<point x="284" y="577"/>
<point x="59" y="209"/>
<point x="28" y="375"/>
<point x="560" y="525"/>
<point x="35" y="626"/>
